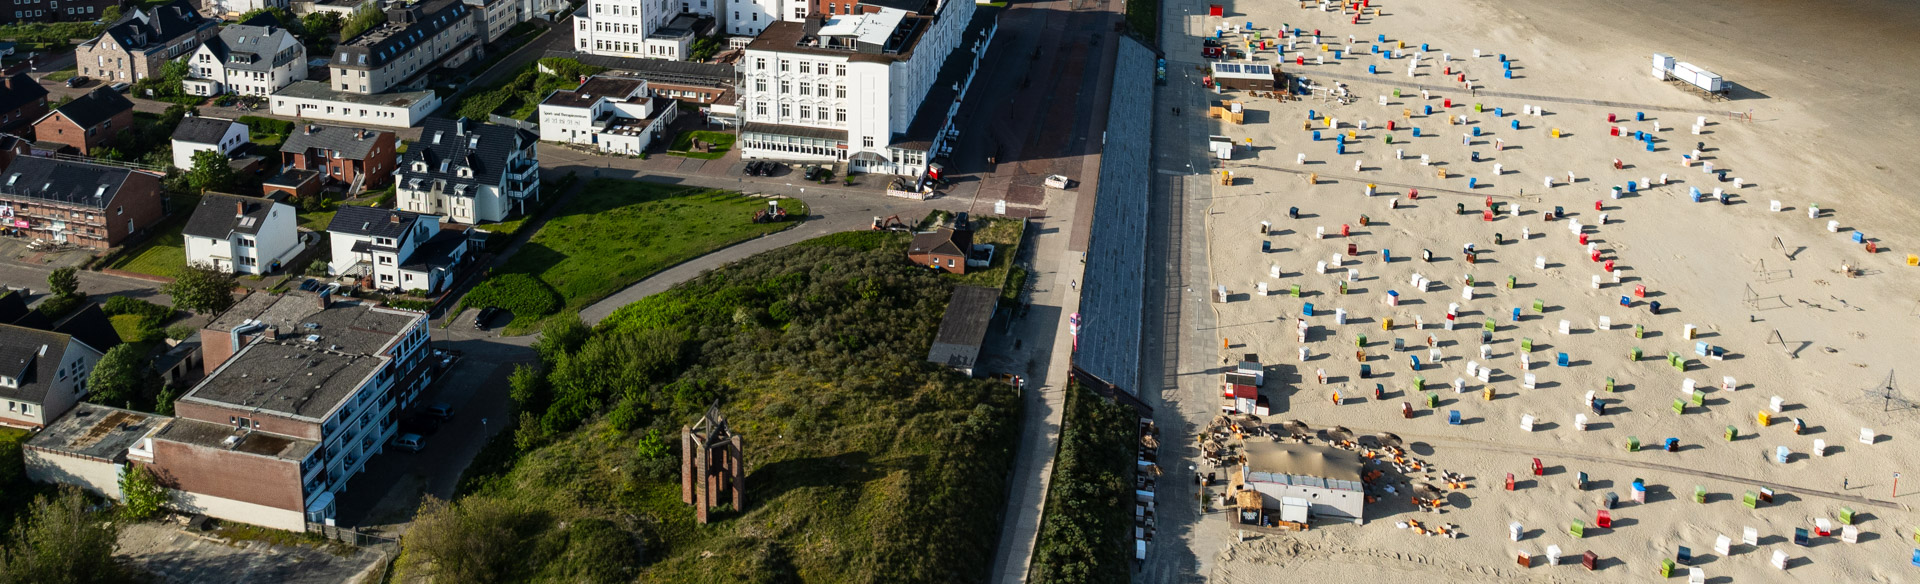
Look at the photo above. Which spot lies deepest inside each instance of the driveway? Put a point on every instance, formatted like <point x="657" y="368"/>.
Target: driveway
<point x="171" y="554"/>
<point x="384" y="496"/>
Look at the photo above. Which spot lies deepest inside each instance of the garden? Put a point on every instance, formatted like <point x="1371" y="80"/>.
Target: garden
<point x="519" y="97"/>
<point x="614" y="233"/>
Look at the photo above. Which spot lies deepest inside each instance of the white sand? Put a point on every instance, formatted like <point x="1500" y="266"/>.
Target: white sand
<point x="1839" y="85"/>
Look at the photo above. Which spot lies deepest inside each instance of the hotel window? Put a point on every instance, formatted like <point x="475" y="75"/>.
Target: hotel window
<point x="786" y="86"/>
<point x="840" y="70"/>
<point x="806" y="89"/>
<point x="840" y="91"/>
<point x="759" y="85"/>
<point x="840" y="115"/>
<point x="760" y="109"/>
<point x="806" y="113"/>
<point x="783" y="65"/>
<point x="806" y="67"/>
<point x="786" y="110"/>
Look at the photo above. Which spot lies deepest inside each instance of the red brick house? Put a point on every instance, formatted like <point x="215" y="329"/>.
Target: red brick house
<point x="358" y="158"/>
<point x="944" y="248"/>
<point x="22" y="100"/>
<point x="86" y="123"/>
<point x="84" y="204"/>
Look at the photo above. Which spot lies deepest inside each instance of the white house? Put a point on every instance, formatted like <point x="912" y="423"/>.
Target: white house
<point x="874" y="90"/>
<point x="254" y="58"/>
<point x="242" y="235"/>
<point x="197" y="134"/>
<point x="42" y="374"/>
<point x="656" y="29"/>
<point x="616" y="114"/>
<point x="314" y="101"/>
<point x="468" y="171"/>
<point x="746" y="18"/>
<point x="394" y="250"/>
<point x="223" y="7"/>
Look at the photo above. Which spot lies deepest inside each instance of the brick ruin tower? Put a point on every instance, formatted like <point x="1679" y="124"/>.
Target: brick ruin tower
<point x="712" y="468"/>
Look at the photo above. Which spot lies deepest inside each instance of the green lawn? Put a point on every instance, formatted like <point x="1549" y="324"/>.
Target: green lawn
<point x="62" y="75"/>
<point x="614" y="233"/>
<point x="165" y="254"/>
<point x="683" y="144"/>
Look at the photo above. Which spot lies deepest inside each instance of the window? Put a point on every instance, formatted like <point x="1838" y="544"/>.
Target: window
<point x="840" y="91"/>
<point x="786" y="111"/>
<point x="247" y="261"/>
<point x="246" y="242"/>
<point x="840" y="115"/>
<point x="866" y="141"/>
<point x="823" y="113"/>
<point x="799" y="13"/>
<point x="806" y="89"/>
<point x="840" y="70"/>
<point x="806" y="67"/>
<point x="786" y="86"/>
<point x="760" y="109"/>
<point x="759" y="85"/>
<point x="783" y="65"/>
<point x="806" y="113"/>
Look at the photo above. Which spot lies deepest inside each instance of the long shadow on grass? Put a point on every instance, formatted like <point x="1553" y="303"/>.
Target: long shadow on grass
<point x="771" y="481"/>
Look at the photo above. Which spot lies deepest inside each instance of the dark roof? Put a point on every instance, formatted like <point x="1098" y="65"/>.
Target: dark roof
<point x="214" y="436"/>
<point x="453" y="142"/>
<point x="964" y="327"/>
<point x="219" y="215"/>
<point x="656" y="70"/>
<point x="406" y="29"/>
<point x="358" y="220"/>
<point x="91" y="326"/>
<point x="201" y="130"/>
<point x="19" y="90"/>
<point x="441" y="250"/>
<point x="96" y="106"/>
<point x="803" y="37"/>
<point x="13" y="305"/>
<point x="293" y="177"/>
<point x="345" y="142"/>
<point x="73" y="183"/>
<point x="685" y="24"/>
<point x="148" y="29"/>
<point x="801" y="131"/>
<point x="596" y="87"/>
<point x="942" y="241"/>
<point x="20" y="357"/>
<point x="915" y="6"/>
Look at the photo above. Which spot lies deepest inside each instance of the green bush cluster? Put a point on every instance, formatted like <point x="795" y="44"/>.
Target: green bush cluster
<point x="518" y="97"/>
<point x="521" y="294"/>
<point x="267" y="131"/>
<point x="1084" y="536"/>
<point x="364" y="18"/>
<point x="410" y="304"/>
<point x="153" y="317"/>
<point x="815" y="355"/>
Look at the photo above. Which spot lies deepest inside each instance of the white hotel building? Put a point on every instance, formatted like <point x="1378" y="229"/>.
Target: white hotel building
<point x="654" y="29"/>
<point x="875" y="90"/>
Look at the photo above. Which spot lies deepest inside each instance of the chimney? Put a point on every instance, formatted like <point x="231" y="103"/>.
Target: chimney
<point x="325" y="299"/>
<point x="360" y="134"/>
<point x="309" y="129"/>
<point x="394" y="218"/>
<point x="239" y="208"/>
<point x="460" y="127"/>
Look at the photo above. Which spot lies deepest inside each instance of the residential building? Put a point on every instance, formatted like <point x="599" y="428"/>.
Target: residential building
<point x="1324" y="482"/>
<point x="496" y="17"/>
<point x="254" y="58"/>
<point x="135" y="47"/>
<point x="197" y="134"/>
<point x="234" y="8"/>
<point x="415" y="39"/>
<point x="687" y="81"/>
<point x="241" y="235"/>
<point x="653" y="29"/>
<point x="394" y="250"/>
<point x="357" y="158"/>
<point x="748" y="18"/>
<point x="88" y="325"/>
<point x="944" y="248"/>
<point x="293" y="182"/>
<point x="963" y="329"/>
<point x="86" y="123"/>
<point x="42" y="374"/>
<point x="22" y="101"/>
<point x="303" y="391"/>
<point x="88" y="205"/>
<point x="615" y="114"/>
<point x="469" y="172"/>
<point x="314" y="101"/>
<point x="875" y="90"/>
<point x="55" y="10"/>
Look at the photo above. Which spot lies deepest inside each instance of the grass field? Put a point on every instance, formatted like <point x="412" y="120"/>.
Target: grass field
<point x="614" y="233"/>
<point x="62" y="75"/>
<point x="165" y="254"/>
<point x="683" y="144"/>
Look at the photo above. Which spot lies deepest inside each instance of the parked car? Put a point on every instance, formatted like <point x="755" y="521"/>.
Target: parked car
<point x="441" y="410"/>
<point x="771" y="168"/>
<point x="810" y="171"/>
<point x="77" y="80"/>
<point x="486" y="315"/>
<point x="121" y="87"/>
<point x="410" y="442"/>
<point x="1058" y="181"/>
<point x="753" y="168"/>
<point x="310" y="285"/>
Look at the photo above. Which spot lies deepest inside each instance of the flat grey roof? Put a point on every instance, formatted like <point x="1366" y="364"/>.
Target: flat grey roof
<point x="318" y="90"/>
<point x="207" y="435"/>
<point x="97" y="432"/>
<point x="348" y="325"/>
<point x="291" y="378"/>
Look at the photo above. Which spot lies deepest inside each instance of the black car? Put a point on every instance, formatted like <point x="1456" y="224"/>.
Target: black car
<point x="770" y="168"/>
<point x="486" y="315"/>
<point x="753" y="168"/>
<point x="310" y="285"/>
<point x="76" y="81"/>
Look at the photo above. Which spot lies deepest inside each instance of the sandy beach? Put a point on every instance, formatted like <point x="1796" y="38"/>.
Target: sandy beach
<point x="1830" y="92"/>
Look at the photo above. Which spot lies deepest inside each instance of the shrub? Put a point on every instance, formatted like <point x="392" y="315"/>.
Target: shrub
<point x="521" y="294"/>
<point x="410" y="304"/>
<point x="58" y="306"/>
<point x="180" y="332"/>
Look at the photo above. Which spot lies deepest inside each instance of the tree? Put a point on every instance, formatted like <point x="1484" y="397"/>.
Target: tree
<point x="202" y="289"/>
<point x="64" y="281"/>
<point x="364" y="18"/>
<point x="478" y="539"/>
<point x="122" y="375"/>
<point x="142" y="495"/>
<point x="110" y="14"/>
<point x="61" y="541"/>
<point x="210" y="172"/>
